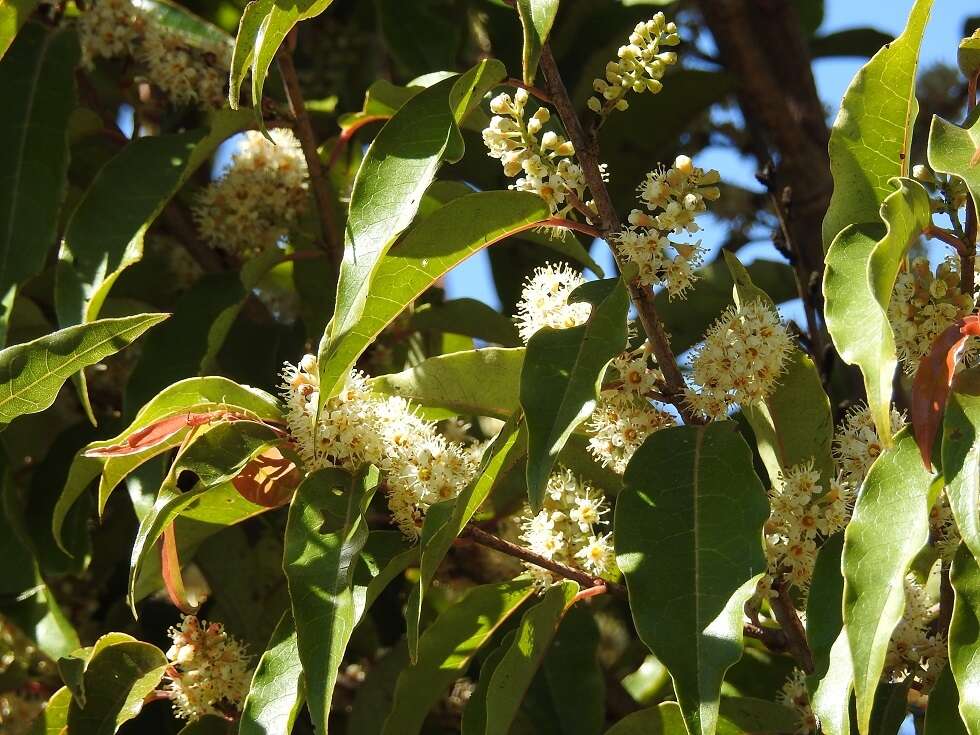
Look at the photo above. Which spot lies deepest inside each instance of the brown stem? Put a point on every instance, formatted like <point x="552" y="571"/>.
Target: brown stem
<point x="947" y="237"/>
<point x="789" y="621"/>
<point x="772" y="638"/>
<point x="586" y="151"/>
<point x="535" y="91"/>
<point x="307" y="139"/>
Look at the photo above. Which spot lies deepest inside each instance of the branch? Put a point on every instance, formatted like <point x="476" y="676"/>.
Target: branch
<point x="530" y="88"/>
<point x="947" y="237"/>
<point x="609" y="223"/>
<point x="785" y="613"/>
<point x="307" y="139"/>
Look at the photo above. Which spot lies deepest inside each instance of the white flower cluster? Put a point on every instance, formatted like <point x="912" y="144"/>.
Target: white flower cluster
<point x="943" y="532"/>
<point x="544" y="301"/>
<point x="915" y="648"/>
<point x="624" y="416"/>
<point x="548" y="167"/>
<point x="568" y="528"/>
<point x="801" y="514"/>
<point x="795" y="695"/>
<point x="857" y="445"/>
<point x="673" y="198"/>
<point x="640" y="66"/>
<point x="924" y="304"/>
<point x="187" y="72"/>
<point x="420" y="465"/>
<point x="263" y="191"/>
<point x="740" y="360"/>
<point x="210" y="673"/>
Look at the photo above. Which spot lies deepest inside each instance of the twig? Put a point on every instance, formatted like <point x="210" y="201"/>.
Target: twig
<point x="772" y="638"/>
<point x="789" y="621"/>
<point x="947" y="237"/>
<point x="307" y="139"/>
<point x="609" y="223"/>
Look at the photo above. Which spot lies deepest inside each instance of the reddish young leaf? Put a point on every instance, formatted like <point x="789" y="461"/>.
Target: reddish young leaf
<point x="268" y="480"/>
<point x="930" y="389"/>
<point x="170" y="570"/>
<point x="159" y="431"/>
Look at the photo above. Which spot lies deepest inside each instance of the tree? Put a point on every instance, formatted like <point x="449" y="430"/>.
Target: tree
<point x="640" y="501"/>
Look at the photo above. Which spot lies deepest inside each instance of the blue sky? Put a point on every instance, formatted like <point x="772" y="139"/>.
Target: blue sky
<point x="473" y="278"/>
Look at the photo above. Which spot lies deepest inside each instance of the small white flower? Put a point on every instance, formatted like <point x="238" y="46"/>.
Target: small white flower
<point x="857" y="445"/>
<point x="544" y="301"/>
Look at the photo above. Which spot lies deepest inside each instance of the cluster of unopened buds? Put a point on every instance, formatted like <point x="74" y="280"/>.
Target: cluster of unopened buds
<point x="640" y="65"/>
<point x="209" y="672"/>
<point x="923" y="305"/>
<point x="672" y="198"/>
<point x="188" y="71"/>
<point x="568" y="528"/>
<point x="264" y="190"/>
<point x="356" y="427"/>
<point x="543" y="160"/>
<point x="740" y="360"/>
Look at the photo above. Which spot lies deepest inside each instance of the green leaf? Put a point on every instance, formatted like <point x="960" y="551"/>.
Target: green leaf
<point x="427" y="252"/>
<point x="954" y="150"/>
<point x="756" y="716"/>
<point x="862" y="266"/>
<point x="794" y="425"/>
<point x="961" y="455"/>
<point x="384" y="557"/>
<point x="31" y="374"/>
<point x="325" y="533"/>
<point x="664" y="719"/>
<point x="441" y="528"/>
<point x="191" y="28"/>
<point x="942" y="714"/>
<point x="276" y="692"/>
<point x="446" y="648"/>
<point x="832" y="699"/>
<point x="889" y="527"/>
<point x="38" y="79"/>
<point x="480" y="382"/>
<point x="475" y="713"/>
<point x="964" y="636"/>
<point x="871" y="138"/>
<point x="824" y="620"/>
<point x="54" y="718"/>
<point x="562" y="374"/>
<point x="117" y="679"/>
<point x="689" y="520"/>
<point x="849" y="42"/>
<point x="890" y="708"/>
<point x="420" y="36"/>
<point x="468" y="317"/>
<point x="574" y="677"/>
<point x="537" y="17"/>
<point x="513" y="675"/>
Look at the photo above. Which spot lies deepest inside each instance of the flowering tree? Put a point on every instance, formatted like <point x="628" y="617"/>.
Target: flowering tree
<point x="643" y="503"/>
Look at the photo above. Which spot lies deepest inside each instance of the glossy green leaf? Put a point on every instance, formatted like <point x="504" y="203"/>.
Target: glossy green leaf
<point x="537" y="17"/>
<point x="397" y="169"/>
<point x="862" y="266"/>
<point x="942" y="714"/>
<point x="689" y="520"/>
<point x="38" y="79"/>
<point x="824" y="620"/>
<point x="889" y="527"/>
<point x="755" y="716"/>
<point x="574" y="676"/>
<point x="446" y="648"/>
<point x="794" y="425"/>
<point x="832" y="699"/>
<point x="469" y="317"/>
<point x="964" y="636"/>
<point x="325" y="533"/>
<point x="953" y="150"/>
<point x="117" y="679"/>
<point x="664" y="719"/>
<point x="480" y="382"/>
<point x="192" y="29"/>
<point x="961" y="455"/>
<point x="31" y="374"/>
<point x="891" y="708"/>
<point x="54" y="718"/>
<point x="871" y="138"/>
<point x="427" y="252"/>
<point x="276" y="692"/>
<point x="385" y="556"/>
<point x="562" y="374"/>
<point x="475" y="713"/>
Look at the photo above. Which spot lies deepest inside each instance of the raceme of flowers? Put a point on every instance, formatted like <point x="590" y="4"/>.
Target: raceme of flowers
<point x="263" y="191"/>
<point x="924" y="304"/>
<point x="544" y="301"/>
<point x="568" y="528"/>
<point x="187" y="71"/>
<point x="356" y="427"/>
<point x="801" y="514"/>
<point x="740" y="360"/>
<point x="916" y="649"/>
<point x="542" y="160"/>
<point x="795" y="695"/>
<point x="856" y="443"/>
<point x="673" y="198"/>
<point x="640" y="65"/>
<point x="210" y="672"/>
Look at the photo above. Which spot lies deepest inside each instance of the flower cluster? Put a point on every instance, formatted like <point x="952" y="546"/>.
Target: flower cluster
<point x="355" y="428"/>
<point x="673" y="198"/>
<point x="795" y="695"/>
<point x="640" y="66"/>
<point x="544" y="301"/>
<point x="186" y="71"/>
<point x="801" y="513"/>
<point x="568" y="528"/>
<point x="915" y="648"/>
<point x="547" y="164"/>
<point x="263" y="191"/>
<point x="624" y="416"/>
<point x="857" y="445"/>
<point x="18" y="711"/>
<point x="210" y="670"/>
<point x="924" y="304"/>
<point x="943" y="532"/>
<point x="740" y="360"/>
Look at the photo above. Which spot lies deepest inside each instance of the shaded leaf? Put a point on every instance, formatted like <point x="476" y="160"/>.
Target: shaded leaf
<point x="54" y="718"/>
<point x="537" y="17"/>
<point x="475" y="714"/>
<point x="964" y="636"/>
<point x="574" y="677"/>
<point x="832" y="698"/>
<point x="942" y="714"/>
<point x="824" y="620"/>
<point x="849" y="42"/>
<point x="276" y="692"/>
<point x="664" y="719"/>
<point x="13" y="15"/>
<point x="955" y="150"/>
<point x="468" y="317"/>
<point x="961" y="456"/>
